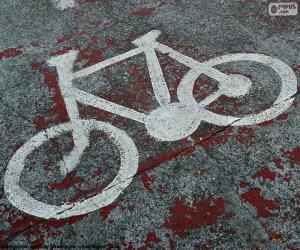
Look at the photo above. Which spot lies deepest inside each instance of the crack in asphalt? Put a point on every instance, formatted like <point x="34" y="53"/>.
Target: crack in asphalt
<point x="15" y="111"/>
<point x="138" y="173"/>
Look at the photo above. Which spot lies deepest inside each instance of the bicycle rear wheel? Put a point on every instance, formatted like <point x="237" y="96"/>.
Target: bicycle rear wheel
<point x="283" y="101"/>
<point x="25" y="202"/>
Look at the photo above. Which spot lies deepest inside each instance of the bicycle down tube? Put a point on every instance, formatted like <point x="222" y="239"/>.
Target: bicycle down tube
<point x="147" y="44"/>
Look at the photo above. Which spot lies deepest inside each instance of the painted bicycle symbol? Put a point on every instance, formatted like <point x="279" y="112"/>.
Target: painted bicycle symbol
<point x="169" y="122"/>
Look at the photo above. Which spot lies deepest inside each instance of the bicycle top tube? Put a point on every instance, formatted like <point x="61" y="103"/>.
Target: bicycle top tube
<point x="149" y="42"/>
<point x="107" y="62"/>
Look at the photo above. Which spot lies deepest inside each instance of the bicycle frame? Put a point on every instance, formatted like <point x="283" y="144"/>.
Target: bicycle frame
<point x="148" y="45"/>
<point x="169" y="122"/>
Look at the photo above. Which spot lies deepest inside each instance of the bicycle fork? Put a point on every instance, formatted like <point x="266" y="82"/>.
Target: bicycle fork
<point x="64" y="67"/>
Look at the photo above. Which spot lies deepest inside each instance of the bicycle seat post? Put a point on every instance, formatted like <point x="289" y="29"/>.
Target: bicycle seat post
<point x="64" y="67"/>
<point x="148" y="43"/>
<point x="148" y="39"/>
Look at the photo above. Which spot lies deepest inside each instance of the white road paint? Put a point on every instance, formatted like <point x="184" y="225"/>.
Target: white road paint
<point x="284" y="100"/>
<point x="64" y="4"/>
<point x="159" y="85"/>
<point x="64" y="67"/>
<point x="23" y="201"/>
<point x="169" y="122"/>
<point x="173" y="121"/>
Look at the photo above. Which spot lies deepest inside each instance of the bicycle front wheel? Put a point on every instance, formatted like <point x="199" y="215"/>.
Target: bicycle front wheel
<point x="25" y="202"/>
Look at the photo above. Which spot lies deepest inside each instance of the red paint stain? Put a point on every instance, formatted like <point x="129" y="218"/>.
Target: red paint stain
<point x="202" y="212"/>
<point x="78" y="13"/>
<point x="277" y="237"/>
<point x="172" y="244"/>
<point x="147" y="181"/>
<point x="64" y="38"/>
<point x="96" y="113"/>
<point x="189" y="151"/>
<point x="140" y="88"/>
<point x="105" y="211"/>
<point x="56" y="223"/>
<point x="293" y="155"/>
<point x="68" y="37"/>
<point x="245" y="135"/>
<point x="156" y="161"/>
<point x="200" y="173"/>
<point x="261" y="204"/>
<point x="266" y="123"/>
<point x="143" y="12"/>
<point x="278" y="163"/>
<point x="69" y="180"/>
<point x="96" y="173"/>
<point x="91" y="56"/>
<point x="18" y="224"/>
<point x="206" y="142"/>
<point x="57" y="110"/>
<point x="75" y="219"/>
<point x="40" y="123"/>
<point x="243" y="184"/>
<point x="110" y="42"/>
<point x="11" y="52"/>
<point x="296" y="68"/>
<point x="282" y="117"/>
<point x="82" y="193"/>
<point x="69" y="221"/>
<point x="17" y="146"/>
<point x="61" y="51"/>
<point x="35" y="229"/>
<point x="220" y="138"/>
<point x="265" y="173"/>
<point x="37" y="243"/>
<point x="295" y="103"/>
<point x="161" y="189"/>
<point x="151" y="238"/>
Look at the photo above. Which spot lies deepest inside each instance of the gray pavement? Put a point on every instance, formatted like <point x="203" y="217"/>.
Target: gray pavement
<point x="222" y="187"/>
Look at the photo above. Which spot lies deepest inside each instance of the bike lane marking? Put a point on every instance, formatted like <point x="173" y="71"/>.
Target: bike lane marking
<point x="64" y="4"/>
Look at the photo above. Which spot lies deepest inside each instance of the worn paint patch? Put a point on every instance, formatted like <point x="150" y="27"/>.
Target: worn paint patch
<point x="245" y="135"/>
<point x="147" y="181"/>
<point x="151" y="239"/>
<point x="263" y="206"/>
<point x="219" y="138"/>
<point x="69" y="180"/>
<point x="144" y="11"/>
<point x="185" y="217"/>
<point x="10" y="52"/>
<point x="266" y="174"/>
<point x="105" y="211"/>
<point x="293" y="155"/>
<point x="57" y="112"/>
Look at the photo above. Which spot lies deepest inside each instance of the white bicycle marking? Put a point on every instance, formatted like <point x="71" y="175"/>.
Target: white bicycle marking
<point x="64" y="4"/>
<point x="169" y="122"/>
<point x="23" y="201"/>
<point x="284" y="100"/>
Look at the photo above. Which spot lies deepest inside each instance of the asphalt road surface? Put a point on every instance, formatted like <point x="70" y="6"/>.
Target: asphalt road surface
<point x="149" y="125"/>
